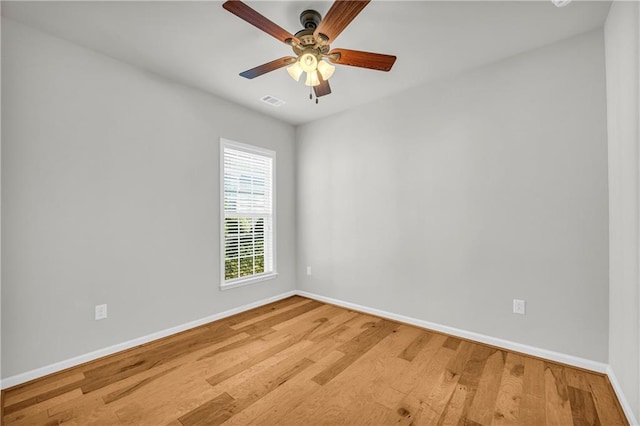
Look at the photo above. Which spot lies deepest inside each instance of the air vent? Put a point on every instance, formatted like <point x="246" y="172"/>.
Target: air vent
<point x="272" y="101"/>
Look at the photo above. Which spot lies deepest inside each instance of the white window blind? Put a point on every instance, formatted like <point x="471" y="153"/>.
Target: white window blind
<point x="248" y="200"/>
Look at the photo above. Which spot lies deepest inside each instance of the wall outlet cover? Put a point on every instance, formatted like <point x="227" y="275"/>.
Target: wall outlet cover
<point x="101" y="312"/>
<point x="518" y="306"/>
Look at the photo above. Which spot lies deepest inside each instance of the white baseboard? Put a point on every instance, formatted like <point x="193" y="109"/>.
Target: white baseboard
<point x="623" y="400"/>
<point x="72" y="362"/>
<point x="493" y="341"/>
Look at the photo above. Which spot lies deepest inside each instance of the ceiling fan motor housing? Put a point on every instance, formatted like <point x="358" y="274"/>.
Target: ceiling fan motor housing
<point x="310" y="19"/>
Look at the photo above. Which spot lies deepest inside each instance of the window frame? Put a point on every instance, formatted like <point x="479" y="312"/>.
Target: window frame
<point x="256" y="278"/>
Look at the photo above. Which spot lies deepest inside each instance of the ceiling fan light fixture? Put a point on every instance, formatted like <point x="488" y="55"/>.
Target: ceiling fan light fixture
<point x="308" y="61"/>
<point x="312" y="79"/>
<point x="295" y="71"/>
<point x="326" y="70"/>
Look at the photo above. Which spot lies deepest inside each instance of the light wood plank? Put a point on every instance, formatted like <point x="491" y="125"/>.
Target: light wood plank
<point x="556" y="396"/>
<point x="419" y="405"/>
<point x="407" y="379"/>
<point x="258" y="318"/>
<point x="410" y="352"/>
<point x="482" y="407"/>
<point x="583" y="408"/>
<point x="532" y="405"/>
<point x="435" y="405"/>
<point x="41" y="409"/>
<point x="270" y="410"/>
<point x="214" y="412"/>
<point x="454" y="410"/>
<point x="607" y="406"/>
<point x="355" y="348"/>
<point x="507" y="411"/>
<point x="38" y="388"/>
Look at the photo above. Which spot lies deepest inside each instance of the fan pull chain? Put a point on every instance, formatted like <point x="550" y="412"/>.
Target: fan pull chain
<point x="311" y="96"/>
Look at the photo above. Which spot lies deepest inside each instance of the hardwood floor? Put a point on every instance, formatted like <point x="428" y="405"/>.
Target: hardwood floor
<point x="302" y="362"/>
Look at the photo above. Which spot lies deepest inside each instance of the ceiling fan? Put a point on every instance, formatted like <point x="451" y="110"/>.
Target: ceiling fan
<point x="313" y="54"/>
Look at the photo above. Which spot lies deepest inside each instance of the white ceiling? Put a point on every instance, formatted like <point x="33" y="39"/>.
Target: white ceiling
<point x="203" y="46"/>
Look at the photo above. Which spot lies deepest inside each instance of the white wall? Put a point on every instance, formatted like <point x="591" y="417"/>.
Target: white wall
<point x="622" y="46"/>
<point x="110" y="195"/>
<point x="446" y="202"/>
<point x="1" y="376"/>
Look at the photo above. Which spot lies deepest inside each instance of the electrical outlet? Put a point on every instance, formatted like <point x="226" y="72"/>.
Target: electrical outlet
<point x="308" y="270"/>
<point x="518" y="306"/>
<point x="101" y="312"/>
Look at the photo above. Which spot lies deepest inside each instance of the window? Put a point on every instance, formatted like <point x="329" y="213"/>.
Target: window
<point x="248" y="200"/>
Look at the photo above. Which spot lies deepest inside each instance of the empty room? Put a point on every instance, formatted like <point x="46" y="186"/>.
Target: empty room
<point x="320" y="212"/>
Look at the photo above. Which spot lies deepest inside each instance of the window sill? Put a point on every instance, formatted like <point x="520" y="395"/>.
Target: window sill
<point x="247" y="281"/>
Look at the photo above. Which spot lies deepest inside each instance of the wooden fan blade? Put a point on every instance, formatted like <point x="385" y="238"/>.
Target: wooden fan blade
<point x="341" y="13"/>
<point x="268" y="67"/>
<point x="243" y="11"/>
<point x="323" y="88"/>
<point x="357" y="58"/>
